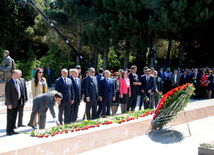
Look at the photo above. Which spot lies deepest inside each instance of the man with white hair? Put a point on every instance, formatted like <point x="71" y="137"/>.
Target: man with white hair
<point x="77" y="94"/>
<point x="107" y="93"/>
<point x="64" y="85"/>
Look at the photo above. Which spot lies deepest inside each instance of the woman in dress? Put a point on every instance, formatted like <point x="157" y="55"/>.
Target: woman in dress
<point x="125" y="91"/>
<point x="115" y="103"/>
<point x="38" y="86"/>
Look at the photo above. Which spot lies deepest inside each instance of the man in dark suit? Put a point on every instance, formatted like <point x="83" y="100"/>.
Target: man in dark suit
<point x="91" y="94"/>
<point x="41" y="104"/>
<point x="13" y="101"/>
<point x="161" y="74"/>
<point x="44" y="70"/>
<point x="107" y="93"/>
<point x="24" y="99"/>
<point x="77" y="94"/>
<point x="197" y="81"/>
<point x="64" y="85"/>
<point x="134" y="88"/>
<point x="147" y="87"/>
<point x="49" y="75"/>
<point x="99" y="78"/>
<point x="184" y="78"/>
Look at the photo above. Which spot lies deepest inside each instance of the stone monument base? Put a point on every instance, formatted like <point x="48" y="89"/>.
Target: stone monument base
<point x="2" y="89"/>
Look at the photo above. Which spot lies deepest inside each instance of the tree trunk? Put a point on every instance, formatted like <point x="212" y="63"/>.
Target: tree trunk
<point x="78" y="47"/>
<point x="105" y="59"/>
<point x="96" y="51"/>
<point x="152" y="53"/>
<point x="126" y="60"/>
<point x="168" y="51"/>
<point x="180" y="54"/>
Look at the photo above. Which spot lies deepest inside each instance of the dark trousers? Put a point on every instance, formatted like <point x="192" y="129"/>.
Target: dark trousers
<point x="197" y="91"/>
<point x="132" y="101"/>
<point x="146" y="105"/>
<point x="99" y="108"/>
<point x="42" y="116"/>
<point x="11" y="119"/>
<point x="106" y="104"/>
<point x="49" y="80"/>
<point x="91" y="105"/>
<point x="74" y="111"/>
<point x="20" y="116"/>
<point x="65" y="108"/>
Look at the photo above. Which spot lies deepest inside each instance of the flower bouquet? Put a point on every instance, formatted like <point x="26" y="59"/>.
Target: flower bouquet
<point x="146" y="99"/>
<point x="86" y="125"/>
<point x="171" y="104"/>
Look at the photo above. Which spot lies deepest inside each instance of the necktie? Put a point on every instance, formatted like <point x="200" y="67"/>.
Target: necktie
<point x="18" y="89"/>
<point x="65" y="82"/>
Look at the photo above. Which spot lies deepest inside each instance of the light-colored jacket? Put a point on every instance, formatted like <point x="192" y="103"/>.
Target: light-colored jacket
<point x="38" y="90"/>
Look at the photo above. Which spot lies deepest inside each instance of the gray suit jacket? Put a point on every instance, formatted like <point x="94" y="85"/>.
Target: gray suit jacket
<point x="11" y="94"/>
<point x="44" y="101"/>
<point x="173" y="79"/>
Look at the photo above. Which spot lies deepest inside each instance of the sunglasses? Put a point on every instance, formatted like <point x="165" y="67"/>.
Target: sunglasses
<point x="40" y="72"/>
<point x="92" y="72"/>
<point x="210" y="72"/>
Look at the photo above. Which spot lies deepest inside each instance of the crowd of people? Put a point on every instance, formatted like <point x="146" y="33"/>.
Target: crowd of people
<point x="103" y="93"/>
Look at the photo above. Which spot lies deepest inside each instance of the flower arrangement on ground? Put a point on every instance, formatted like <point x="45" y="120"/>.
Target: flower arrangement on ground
<point x="171" y="104"/>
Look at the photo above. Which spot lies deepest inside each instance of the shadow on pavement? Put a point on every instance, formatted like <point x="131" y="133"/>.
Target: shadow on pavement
<point x="166" y="136"/>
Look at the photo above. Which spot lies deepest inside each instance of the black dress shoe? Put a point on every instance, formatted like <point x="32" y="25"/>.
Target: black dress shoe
<point x="9" y="133"/>
<point x="22" y="125"/>
<point x="32" y="126"/>
<point x="15" y="133"/>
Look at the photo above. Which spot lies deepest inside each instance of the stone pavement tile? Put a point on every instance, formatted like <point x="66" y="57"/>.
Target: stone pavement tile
<point x="164" y="143"/>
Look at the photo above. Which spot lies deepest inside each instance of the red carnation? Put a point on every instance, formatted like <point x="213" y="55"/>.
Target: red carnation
<point x="111" y="70"/>
<point x="155" y="116"/>
<point x="46" y="136"/>
<point x="112" y="74"/>
<point x="66" y="131"/>
<point x="185" y="87"/>
<point x="157" y="111"/>
<point x="98" y="124"/>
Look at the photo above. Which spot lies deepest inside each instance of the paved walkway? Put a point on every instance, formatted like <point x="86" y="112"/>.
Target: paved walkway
<point x="202" y="131"/>
<point x="164" y="142"/>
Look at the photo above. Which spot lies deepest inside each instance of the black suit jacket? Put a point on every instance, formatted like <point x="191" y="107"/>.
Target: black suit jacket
<point x="147" y="85"/>
<point x="91" y="89"/>
<point x="185" y="80"/>
<point x="24" y="90"/>
<point x="107" y="92"/>
<point x="67" y="92"/>
<point x="11" y="94"/>
<point x="134" y="88"/>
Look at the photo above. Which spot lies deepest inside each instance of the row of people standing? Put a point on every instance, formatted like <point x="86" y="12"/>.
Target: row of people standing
<point x="202" y="81"/>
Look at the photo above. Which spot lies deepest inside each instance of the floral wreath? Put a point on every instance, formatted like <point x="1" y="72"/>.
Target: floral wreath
<point x="168" y="99"/>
